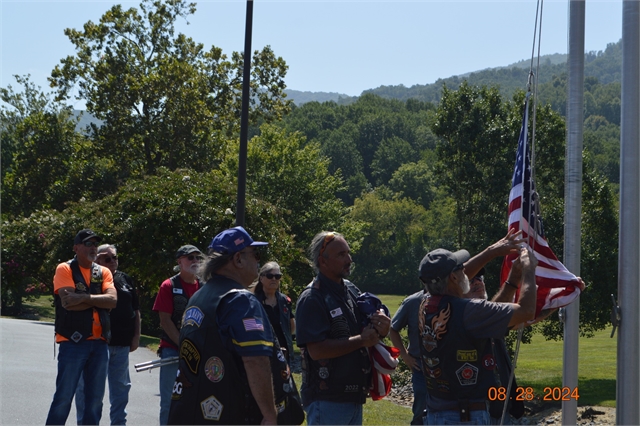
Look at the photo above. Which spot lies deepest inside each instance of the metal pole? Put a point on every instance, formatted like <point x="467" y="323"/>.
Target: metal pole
<point x="628" y="376"/>
<point x="573" y="198"/>
<point x="244" y="118"/>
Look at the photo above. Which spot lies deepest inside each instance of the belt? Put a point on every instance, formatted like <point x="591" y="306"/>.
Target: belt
<point x="478" y="406"/>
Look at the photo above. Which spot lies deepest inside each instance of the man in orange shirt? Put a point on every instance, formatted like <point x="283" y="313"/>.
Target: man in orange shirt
<point x="83" y="294"/>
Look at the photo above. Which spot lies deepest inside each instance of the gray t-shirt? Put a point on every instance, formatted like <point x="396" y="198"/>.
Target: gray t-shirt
<point x="407" y="316"/>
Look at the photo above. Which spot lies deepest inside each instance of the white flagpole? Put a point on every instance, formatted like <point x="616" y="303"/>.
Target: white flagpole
<point x="573" y="199"/>
<point x="628" y="376"/>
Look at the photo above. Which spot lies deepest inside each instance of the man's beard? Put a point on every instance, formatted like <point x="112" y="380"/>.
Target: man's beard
<point x="465" y="285"/>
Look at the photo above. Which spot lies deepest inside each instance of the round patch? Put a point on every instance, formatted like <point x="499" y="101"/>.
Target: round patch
<point x="214" y="369"/>
<point x="488" y="362"/>
<point x="323" y="372"/>
<point x="286" y="387"/>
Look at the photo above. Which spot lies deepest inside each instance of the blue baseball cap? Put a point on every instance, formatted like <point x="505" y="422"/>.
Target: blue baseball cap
<point x="233" y="240"/>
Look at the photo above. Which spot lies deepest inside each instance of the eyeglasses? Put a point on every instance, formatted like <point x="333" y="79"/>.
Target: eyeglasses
<point x="109" y="259"/>
<point x="193" y="257"/>
<point x="327" y="239"/>
<point x="91" y="243"/>
<point x="272" y="276"/>
<point x="255" y="254"/>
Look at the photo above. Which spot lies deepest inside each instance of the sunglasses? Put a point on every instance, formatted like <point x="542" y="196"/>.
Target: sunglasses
<point x="109" y="259"/>
<point x="327" y="239"/>
<point x="272" y="276"/>
<point x="91" y="243"/>
<point x="255" y="254"/>
<point x="193" y="257"/>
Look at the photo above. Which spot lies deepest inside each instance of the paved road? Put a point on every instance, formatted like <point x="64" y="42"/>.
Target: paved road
<point x="28" y="378"/>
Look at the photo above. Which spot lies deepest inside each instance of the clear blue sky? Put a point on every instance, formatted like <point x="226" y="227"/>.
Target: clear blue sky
<point x="330" y="46"/>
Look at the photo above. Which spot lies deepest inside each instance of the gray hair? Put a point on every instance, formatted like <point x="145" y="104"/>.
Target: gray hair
<point x="438" y="287"/>
<point x="269" y="266"/>
<point x="316" y="246"/>
<point x="104" y="247"/>
<point x="212" y="263"/>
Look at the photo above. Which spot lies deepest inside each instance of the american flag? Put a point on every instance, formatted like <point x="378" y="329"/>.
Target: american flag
<point x="252" y="324"/>
<point x="557" y="287"/>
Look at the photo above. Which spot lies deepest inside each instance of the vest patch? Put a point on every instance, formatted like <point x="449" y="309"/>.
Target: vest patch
<point x="336" y="312"/>
<point x="214" y="369"/>
<point x="463" y="356"/>
<point x="432" y="362"/>
<point x="190" y="354"/>
<point x="177" y="290"/>
<point x="252" y="324"/>
<point x="431" y="334"/>
<point x="211" y="409"/>
<point x="467" y="374"/>
<point x="488" y="362"/>
<point x="193" y="316"/>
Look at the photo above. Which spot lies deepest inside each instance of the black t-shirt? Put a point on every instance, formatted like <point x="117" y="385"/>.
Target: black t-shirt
<point x="123" y="315"/>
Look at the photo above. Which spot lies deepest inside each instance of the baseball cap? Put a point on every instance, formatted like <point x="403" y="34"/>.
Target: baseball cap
<point x="84" y="235"/>
<point x="439" y="263"/>
<point x="233" y="240"/>
<point x="187" y="250"/>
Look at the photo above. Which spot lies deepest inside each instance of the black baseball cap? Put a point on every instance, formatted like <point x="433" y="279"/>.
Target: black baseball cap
<point x="186" y="250"/>
<point x="439" y="263"/>
<point x="85" y="235"/>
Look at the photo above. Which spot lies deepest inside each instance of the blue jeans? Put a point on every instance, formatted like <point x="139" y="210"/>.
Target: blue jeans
<point x="119" y="386"/>
<point x="419" y="396"/>
<point x="452" y="417"/>
<point x="91" y="358"/>
<point x="168" y="375"/>
<point x="334" y="413"/>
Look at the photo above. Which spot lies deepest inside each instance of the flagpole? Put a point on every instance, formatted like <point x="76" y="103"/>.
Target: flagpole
<point x="573" y="199"/>
<point x="628" y="377"/>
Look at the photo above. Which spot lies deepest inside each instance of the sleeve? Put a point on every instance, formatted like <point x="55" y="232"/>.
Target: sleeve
<point x="107" y="279"/>
<point x="312" y="321"/>
<point x="164" y="299"/>
<point x="243" y="320"/>
<point x="400" y="318"/>
<point x="484" y="319"/>
<point x="62" y="277"/>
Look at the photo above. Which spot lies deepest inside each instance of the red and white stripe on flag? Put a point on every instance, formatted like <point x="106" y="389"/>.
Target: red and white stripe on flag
<point x="557" y="287"/>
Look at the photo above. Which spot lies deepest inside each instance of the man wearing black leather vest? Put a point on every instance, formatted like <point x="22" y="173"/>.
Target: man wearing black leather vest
<point x="83" y="294"/>
<point x="336" y="371"/>
<point x="171" y="301"/>
<point x="231" y="370"/>
<point x="455" y="333"/>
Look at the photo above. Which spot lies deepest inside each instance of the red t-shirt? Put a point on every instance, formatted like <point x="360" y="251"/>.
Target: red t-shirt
<point x="164" y="301"/>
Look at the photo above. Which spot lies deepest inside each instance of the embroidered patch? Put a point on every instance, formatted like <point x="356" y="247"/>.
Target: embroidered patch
<point x="463" y="356"/>
<point x="193" y="316"/>
<point x="431" y="334"/>
<point x="432" y="362"/>
<point x="336" y="312"/>
<point x="467" y="374"/>
<point x="252" y="324"/>
<point x="433" y="373"/>
<point x="214" y="369"/>
<point x="177" y="291"/>
<point x="180" y="384"/>
<point x="81" y="287"/>
<point x="76" y="337"/>
<point x="488" y="362"/>
<point x="190" y="354"/>
<point x="211" y="409"/>
<point x="323" y="372"/>
<point x="280" y="356"/>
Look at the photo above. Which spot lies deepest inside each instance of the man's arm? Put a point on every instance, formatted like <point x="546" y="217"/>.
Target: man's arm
<point x="333" y="348"/>
<point x="258" y="370"/>
<point x="169" y="327"/>
<point x="396" y="339"/>
<point x="525" y="309"/>
<point x="507" y="245"/>
<point x="73" y="301"/>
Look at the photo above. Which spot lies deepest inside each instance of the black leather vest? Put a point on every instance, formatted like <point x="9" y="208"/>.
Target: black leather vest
<point x="180" y="301"/>
<point x="212" y="386"/>
<point x="453" y="362"/>
<point x="78" y="325"/>
<point x="346" y="378"/>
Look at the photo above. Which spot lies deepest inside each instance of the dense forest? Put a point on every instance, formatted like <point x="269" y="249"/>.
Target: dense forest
<point x="399" y="172"/>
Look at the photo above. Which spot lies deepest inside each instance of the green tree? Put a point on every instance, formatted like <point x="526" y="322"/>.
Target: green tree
<point x="164" y="100"/>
